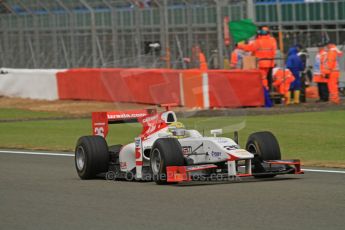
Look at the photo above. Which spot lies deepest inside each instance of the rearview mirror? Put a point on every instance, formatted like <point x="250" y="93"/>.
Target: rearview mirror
<point x="216" y="132"/>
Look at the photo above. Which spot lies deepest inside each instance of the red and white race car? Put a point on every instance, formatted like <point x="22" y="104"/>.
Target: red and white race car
<point x="166" y="152"/>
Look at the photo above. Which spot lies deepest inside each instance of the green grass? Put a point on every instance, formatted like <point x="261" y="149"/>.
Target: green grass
<point x="316" y="138"/>
<point x="17" y="114"/>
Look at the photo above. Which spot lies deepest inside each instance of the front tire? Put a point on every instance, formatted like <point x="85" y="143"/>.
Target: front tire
<point x="91" y="157"/>
<point x="264" y="146"/>
<point x="165" y="152"/>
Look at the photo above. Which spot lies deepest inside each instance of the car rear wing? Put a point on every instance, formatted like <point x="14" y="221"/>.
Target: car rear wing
<point x="101" y="120"/>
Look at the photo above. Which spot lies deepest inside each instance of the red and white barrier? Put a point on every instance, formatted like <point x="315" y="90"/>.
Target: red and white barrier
<point x="189" y="88"/>
<point x="235" y="88"/>
<point x="149" y="86"/>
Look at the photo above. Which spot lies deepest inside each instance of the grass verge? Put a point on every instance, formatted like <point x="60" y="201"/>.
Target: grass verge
<point x="9" y="114"/>
<point x="315" y="138"/>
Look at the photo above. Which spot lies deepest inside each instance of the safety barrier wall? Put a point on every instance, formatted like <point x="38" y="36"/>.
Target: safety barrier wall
<point x="147" y="86"/>
<point x="29" y="83"/>
<point x="189" y="88"/>
<point x="236" y="88"/>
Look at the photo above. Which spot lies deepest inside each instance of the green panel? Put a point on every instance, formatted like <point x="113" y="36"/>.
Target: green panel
<point x="12" y="22"/>
<point x="315" y="11"/>
<point x="98" y="19"/>
<point x="45" y="21"/>
<point x="3" y="21"/>
<point x="272" y="13"/>
<point x="329" y="10"/>
<point x="29" y="21"/>
<point x="200" y="16"/>
<point x="103" y="18"/>
<point x="79" y="19"/>
<point x="301" y="12"/>
<point x="341" y="10"/>
<point x="87" y="19"/>
<point x="107" y="19"/>
<point x="118" y="18"/>
<point x="225" y="11"/>
<point x="287" y="12"/>
<point x="171" y="16"/>
<point x="212" y="15"/>
<point x="156" y="17"/>
<point x="146" y="15"/>
<point x="83" y="19"/>
<point x="236" y="13"/>
<point x="127" y="18"/>
<point x="261" y="13"/>
<point x="62" y="20"/>
<point x="176" y="16"/>
<point x="233" y="11"/>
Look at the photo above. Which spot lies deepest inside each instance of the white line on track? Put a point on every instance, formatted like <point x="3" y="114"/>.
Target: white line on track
<point x="72" y="155"/>
<point x="37" y="153"/>
<point x="323" y="171"/>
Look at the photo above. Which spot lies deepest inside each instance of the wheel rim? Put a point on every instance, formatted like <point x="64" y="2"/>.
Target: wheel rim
<point x="80" y="158"/>
<point x="156" y="161"/>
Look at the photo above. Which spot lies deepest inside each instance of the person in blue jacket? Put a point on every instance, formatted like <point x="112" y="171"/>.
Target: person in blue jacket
<point x="295" y="65"/>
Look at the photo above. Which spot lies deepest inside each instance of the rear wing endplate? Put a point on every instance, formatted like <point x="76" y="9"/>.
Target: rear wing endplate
<point x="101" y="120"/>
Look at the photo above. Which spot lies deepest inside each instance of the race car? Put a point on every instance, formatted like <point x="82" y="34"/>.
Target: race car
<point x="166" y="152"/>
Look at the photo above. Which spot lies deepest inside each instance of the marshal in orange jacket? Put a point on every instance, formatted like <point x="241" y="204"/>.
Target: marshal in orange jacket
<point x="331" y="70"/>
<point x="263" y="47"/>
<point x="282" y="79"/>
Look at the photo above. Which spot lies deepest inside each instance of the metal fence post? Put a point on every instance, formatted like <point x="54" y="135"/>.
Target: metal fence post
<point x="220" y="39"/>
<point x="93" y="33"/>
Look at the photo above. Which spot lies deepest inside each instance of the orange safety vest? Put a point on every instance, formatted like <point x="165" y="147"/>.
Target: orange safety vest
<point x="331" y="63"/>
<point x="263" y="47"/>
<point x="234" y="59"/>
<point x="282" y="80"/>
<point x="332" y="68"/>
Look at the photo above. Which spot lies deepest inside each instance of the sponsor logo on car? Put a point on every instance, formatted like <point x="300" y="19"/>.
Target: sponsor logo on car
<point x="126" y="115"/>
<point x="216" y="154"/>
<point x="152" y="118"/>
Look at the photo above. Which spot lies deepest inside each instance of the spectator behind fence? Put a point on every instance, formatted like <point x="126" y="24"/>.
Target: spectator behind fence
<point x="236" y="60"/>
<point x="198" y="59"/>
<point x="304" y="56"/>
<point x="319" y="77"/>
<point x="295" y="65"/>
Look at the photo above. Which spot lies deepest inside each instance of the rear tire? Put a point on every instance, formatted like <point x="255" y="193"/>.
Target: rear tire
<point x="165" y="152"/>
<point x="265" y="147"/>
<point x="91" y="157"/>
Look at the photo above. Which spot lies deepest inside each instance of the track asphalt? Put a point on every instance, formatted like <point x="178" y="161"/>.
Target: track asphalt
<point x="44" y="192"/>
